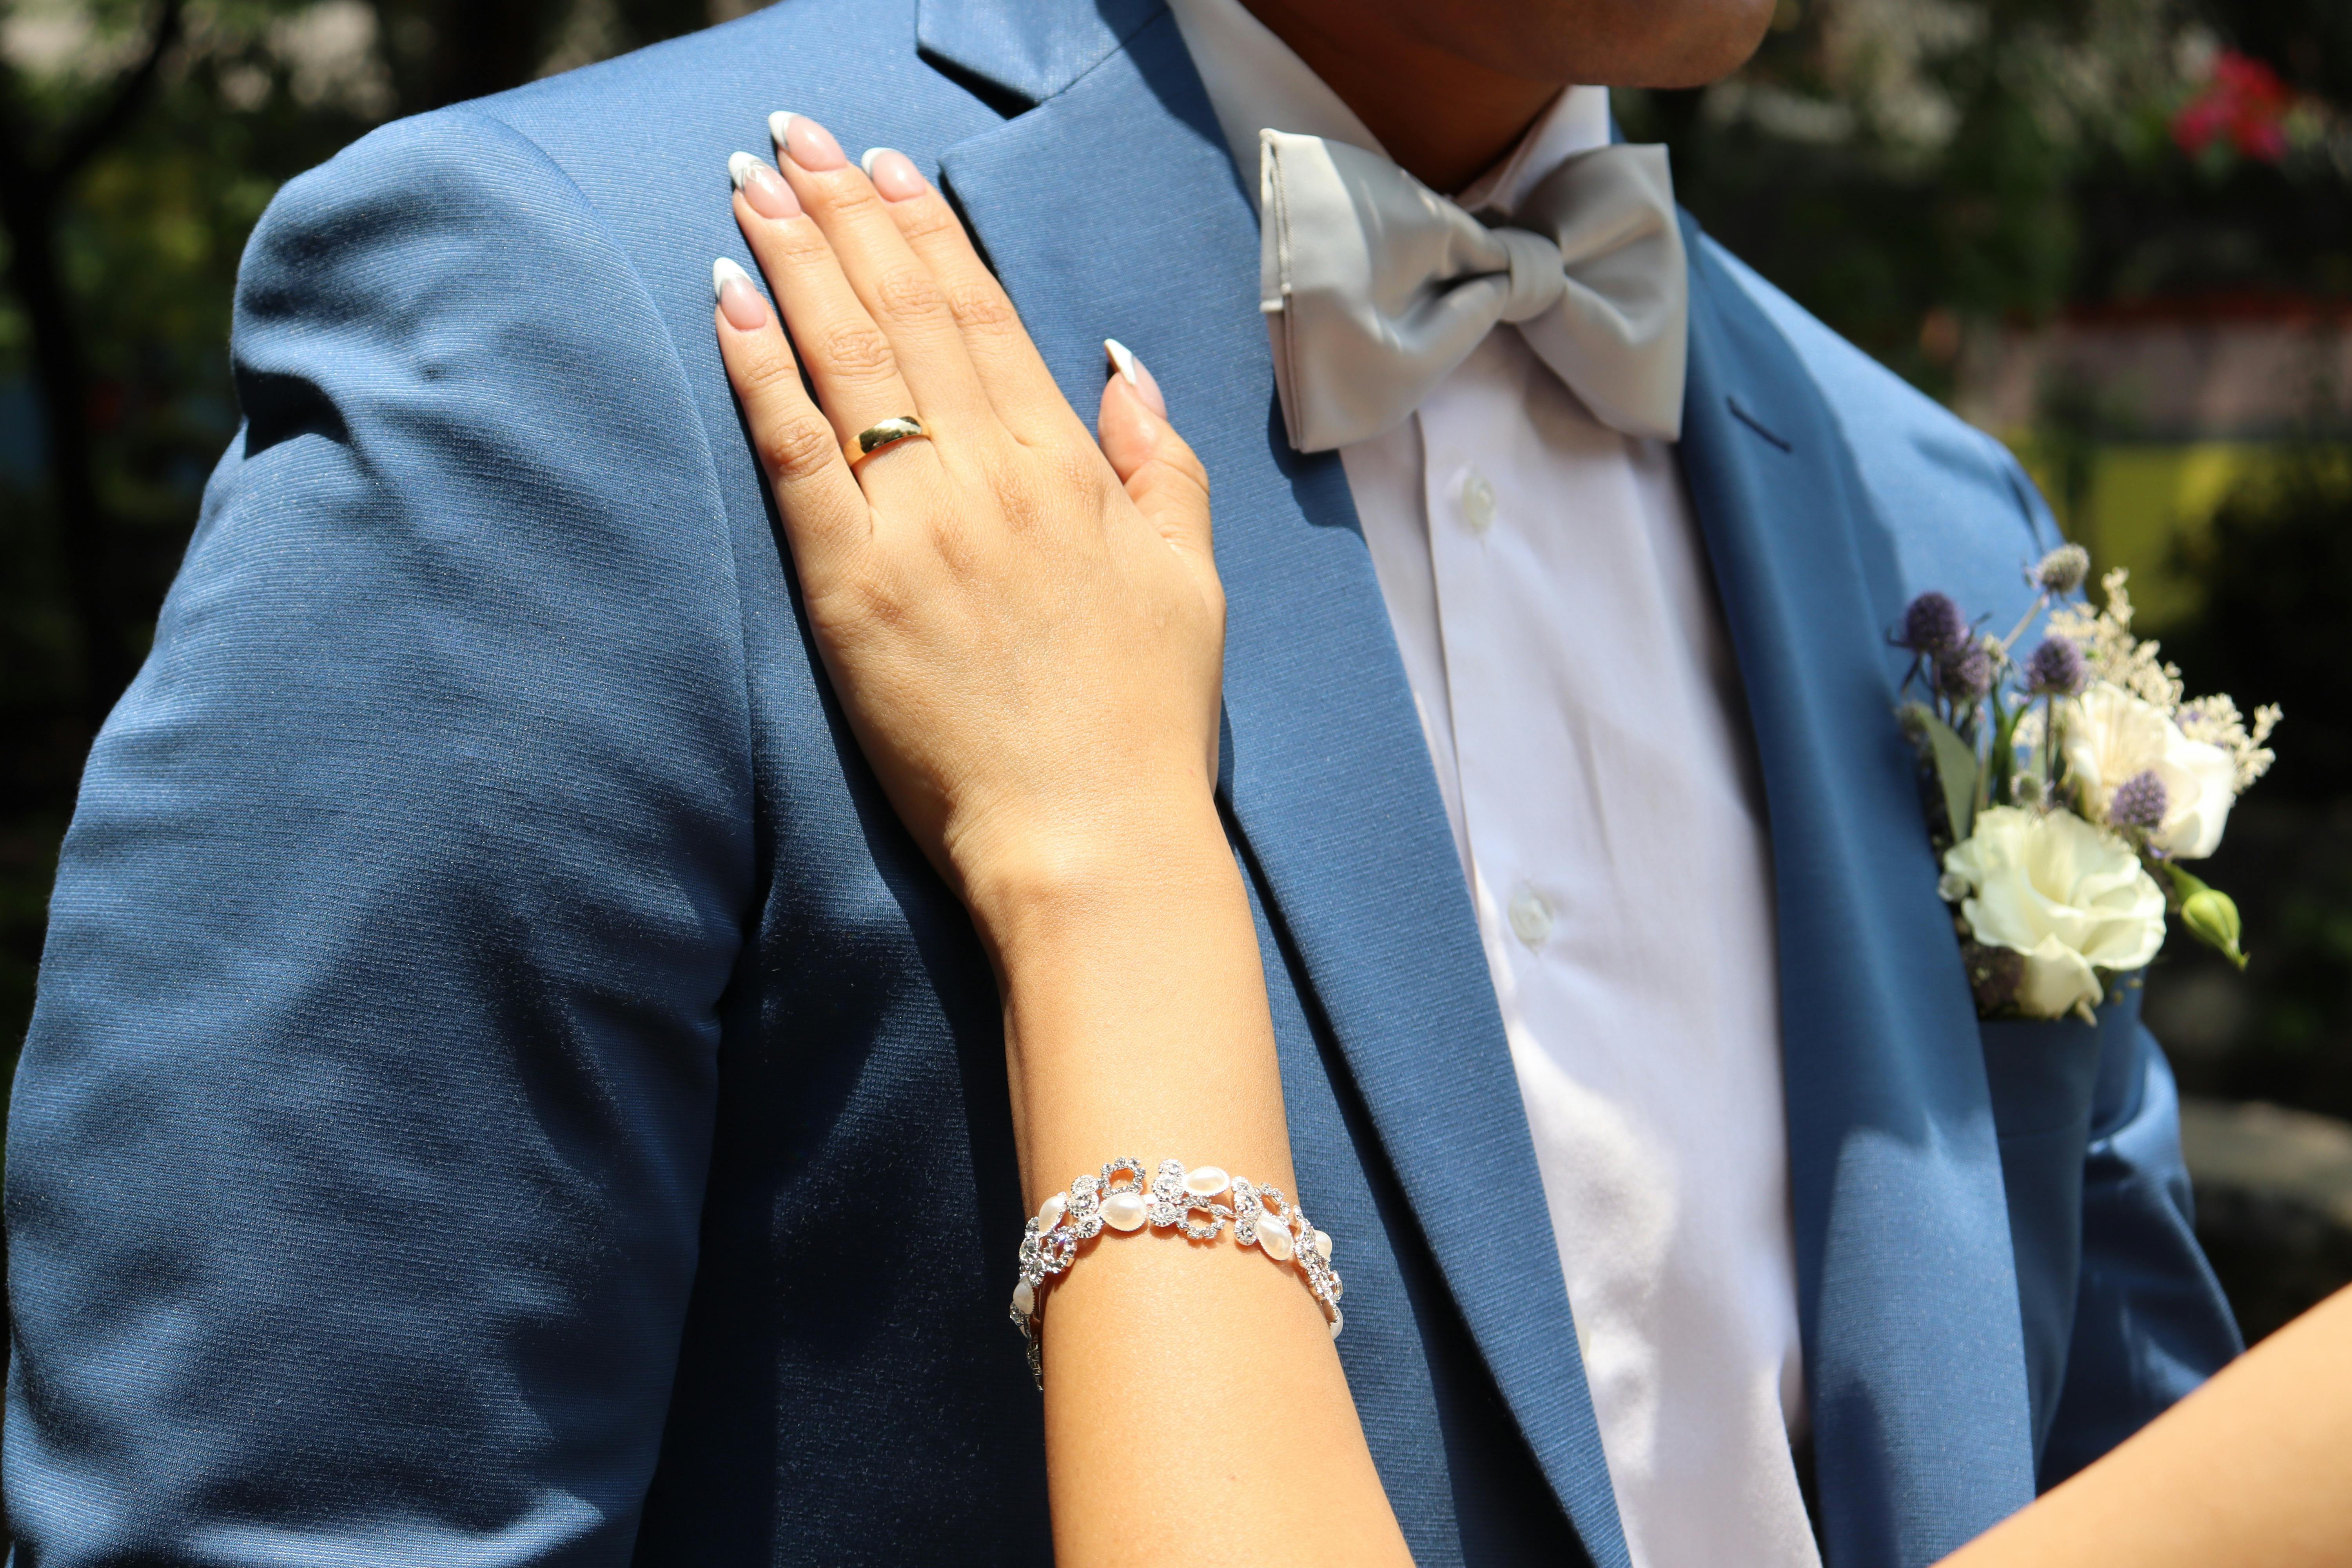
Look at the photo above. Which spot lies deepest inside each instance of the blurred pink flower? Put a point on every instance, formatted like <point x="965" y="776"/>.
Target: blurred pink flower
<point x="2245" y="102"/>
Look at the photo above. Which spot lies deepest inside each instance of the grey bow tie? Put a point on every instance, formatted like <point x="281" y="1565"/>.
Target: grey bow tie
<point x="1375" y="287"/>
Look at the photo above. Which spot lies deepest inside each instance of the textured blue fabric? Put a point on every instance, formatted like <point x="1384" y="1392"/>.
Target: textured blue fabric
<point x="356" y="1174"/>
<point x="2043" y="1074"/>
<point x="2146" y="1329"/>
<point x="2098" y="1203"/>
<point x="505" y="1090"/>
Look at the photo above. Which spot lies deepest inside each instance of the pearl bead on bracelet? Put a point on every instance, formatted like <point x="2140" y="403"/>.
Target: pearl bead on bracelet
<point x="1118" y="1200"/>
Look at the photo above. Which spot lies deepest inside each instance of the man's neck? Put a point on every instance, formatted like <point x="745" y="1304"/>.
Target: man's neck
<point x="1442" y="119"/>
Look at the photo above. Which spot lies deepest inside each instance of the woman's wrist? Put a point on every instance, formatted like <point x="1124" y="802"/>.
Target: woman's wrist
<point x="1043" y="886"/>
<point x="1120" y="957"/>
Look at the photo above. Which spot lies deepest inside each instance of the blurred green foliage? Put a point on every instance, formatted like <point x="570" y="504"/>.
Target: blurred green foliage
<point x="2277" y="565"/>
<point x="1913" y="171"/>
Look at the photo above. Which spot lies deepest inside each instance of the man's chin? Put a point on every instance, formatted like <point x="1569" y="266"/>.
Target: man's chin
<point x="1605" y="43"/>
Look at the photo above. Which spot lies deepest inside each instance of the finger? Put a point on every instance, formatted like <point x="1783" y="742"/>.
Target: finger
<point x="896" y="288"/>
<point x="1025" y="395"/>
<point x="1165" y="480"/>
<point x="825" y="512"/>
<point x="848" y="357"/>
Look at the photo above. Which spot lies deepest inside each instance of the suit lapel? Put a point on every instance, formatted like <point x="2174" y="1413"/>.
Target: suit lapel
<point x="1112" y="209"/>
<point x="1023" y="52"/>
<point x="1907" y="1289"/>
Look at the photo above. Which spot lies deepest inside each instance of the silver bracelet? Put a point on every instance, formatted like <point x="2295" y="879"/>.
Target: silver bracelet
<point x="1118" y="1199"/>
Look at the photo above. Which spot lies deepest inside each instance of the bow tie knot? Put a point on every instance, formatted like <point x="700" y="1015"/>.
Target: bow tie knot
<point x="1536" y="278"/>
<point x="1375" y="288"/>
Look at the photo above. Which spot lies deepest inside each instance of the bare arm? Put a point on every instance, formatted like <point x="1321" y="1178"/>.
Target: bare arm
<point x="2254" y="1469"/>
<point x="1026" y="630"/>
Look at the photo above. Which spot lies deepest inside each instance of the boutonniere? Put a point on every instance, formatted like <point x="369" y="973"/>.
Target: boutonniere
<point x="2066" y="789"/>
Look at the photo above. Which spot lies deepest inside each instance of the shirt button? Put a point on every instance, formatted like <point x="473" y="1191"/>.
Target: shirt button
<point x="1530" y="916"/>
<point x="1477" y="503"/>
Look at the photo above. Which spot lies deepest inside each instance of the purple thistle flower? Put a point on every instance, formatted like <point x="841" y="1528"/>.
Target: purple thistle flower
<point x="1964" y="673"/>
<point x="2140" y="802"/>
<point x="1932" y="625"/>
<point x="2057" y="669"/>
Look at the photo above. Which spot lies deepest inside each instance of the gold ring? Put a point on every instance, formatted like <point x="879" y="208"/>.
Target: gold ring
<point x="865" y="443"/>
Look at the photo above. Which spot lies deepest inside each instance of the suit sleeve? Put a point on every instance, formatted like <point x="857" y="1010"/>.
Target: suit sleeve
<point x="2150" y="1319"/>
<point x="358" y="1150"/>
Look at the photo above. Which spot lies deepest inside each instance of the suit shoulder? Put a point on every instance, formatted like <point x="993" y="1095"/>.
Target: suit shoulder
<point x="435" y="330"/>
<point x="643" y="136"/>
<point x="850" y="42"/>
<point x="853" y="66"/>
<point x="1958" y="511"/>
<point x="441" y="221"/>
<point x="441" y="165"/>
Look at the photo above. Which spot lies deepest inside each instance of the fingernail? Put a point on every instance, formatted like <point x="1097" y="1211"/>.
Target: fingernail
<point x="806" y="142"/>
<point x="1134" y="372"/>
<point x="738" y="296"/>
<point x="762" y="187"/>
<point x="893" y="173"/>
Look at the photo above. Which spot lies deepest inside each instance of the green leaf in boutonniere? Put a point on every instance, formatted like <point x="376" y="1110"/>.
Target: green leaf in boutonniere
<point x="1956" y="767"/>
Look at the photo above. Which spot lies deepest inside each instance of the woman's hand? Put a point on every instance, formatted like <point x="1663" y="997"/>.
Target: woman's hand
<point x="1025" y="626"/>
<point x="1027" y="633"/>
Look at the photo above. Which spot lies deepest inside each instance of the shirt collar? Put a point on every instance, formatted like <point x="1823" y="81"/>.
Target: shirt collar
<point x="1255" y="83"/>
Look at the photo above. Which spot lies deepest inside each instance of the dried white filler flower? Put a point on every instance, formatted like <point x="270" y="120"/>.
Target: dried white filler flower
<point x="2121" y="660"/>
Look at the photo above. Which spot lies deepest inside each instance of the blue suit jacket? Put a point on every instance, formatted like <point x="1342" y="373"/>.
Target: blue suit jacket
<point x="505" y="1090"/>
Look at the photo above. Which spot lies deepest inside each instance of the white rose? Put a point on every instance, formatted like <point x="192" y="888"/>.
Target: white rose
<point x="2112" y="736"/>
<point x="2070" y="897"/>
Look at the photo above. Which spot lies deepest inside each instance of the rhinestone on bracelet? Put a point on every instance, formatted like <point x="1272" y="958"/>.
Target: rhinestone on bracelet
<point x="1194" y="1202"/>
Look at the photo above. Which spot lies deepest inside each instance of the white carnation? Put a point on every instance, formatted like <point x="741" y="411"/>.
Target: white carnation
<point x="2070" y="897"/>
<point x="2111" y="736"/>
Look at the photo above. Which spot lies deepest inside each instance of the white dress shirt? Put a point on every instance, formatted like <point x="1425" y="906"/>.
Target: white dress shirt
<point x="1559" y="625"/>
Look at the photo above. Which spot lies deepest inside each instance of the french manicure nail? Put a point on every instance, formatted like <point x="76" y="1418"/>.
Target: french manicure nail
<point x="1136" y="375"/>
<point x="762" y="187"/>
<point x="893" y="173"/>
<point x="738" y="296"/>
<point x="805" y="141"/>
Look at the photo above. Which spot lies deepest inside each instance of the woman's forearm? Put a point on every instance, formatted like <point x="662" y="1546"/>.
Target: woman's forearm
<point x="2254" y="1470"/>
<point x="1025" y="627"/>
<point x="1135" y="1024"/>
